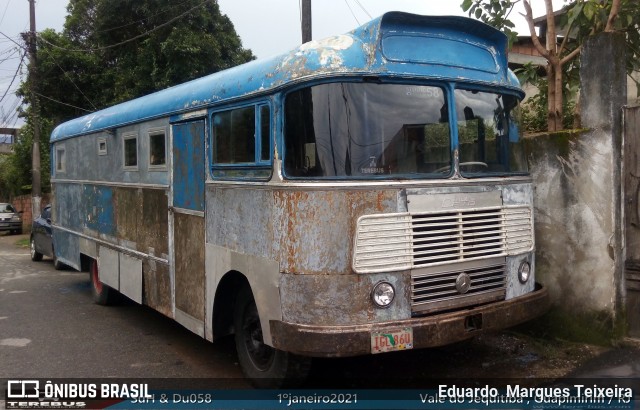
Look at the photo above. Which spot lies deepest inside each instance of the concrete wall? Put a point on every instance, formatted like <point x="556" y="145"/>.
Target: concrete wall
<point x="577" y="193"/>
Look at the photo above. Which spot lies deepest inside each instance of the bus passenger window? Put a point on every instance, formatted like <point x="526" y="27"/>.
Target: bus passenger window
<point x="234" y="136"/>
<point x="265" y="134"/>
<point x="157" y="149"/>
<point x="130" y="151"/>
<point x="61" y="159"/>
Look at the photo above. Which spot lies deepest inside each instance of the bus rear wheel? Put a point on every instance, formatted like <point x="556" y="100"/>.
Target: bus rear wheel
<point x="102" y="294"/>
<point x="263" y="365"/>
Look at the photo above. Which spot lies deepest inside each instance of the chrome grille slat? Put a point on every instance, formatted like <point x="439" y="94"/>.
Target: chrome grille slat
<point x="437" y="290"/>
<point x="420" y="239"/>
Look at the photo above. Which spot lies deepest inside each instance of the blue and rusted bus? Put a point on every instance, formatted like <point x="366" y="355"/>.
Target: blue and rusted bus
<point x="361" y="194"/>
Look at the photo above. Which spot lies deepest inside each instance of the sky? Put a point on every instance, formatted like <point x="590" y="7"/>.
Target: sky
<point x="267" y="27"/>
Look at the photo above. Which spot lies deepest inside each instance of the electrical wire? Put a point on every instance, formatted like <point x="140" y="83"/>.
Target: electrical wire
<point x="87" y="50"/>
<point x="142" y="20"/>
<point x="363" y="9"/>
<point x="63" y="103"/>
<point x="5" y="11"/>
<point x="14" y="78"/>
<point x="12" y="40"/>
<point x="69" y="78"/>
<point x="352" y="13"/>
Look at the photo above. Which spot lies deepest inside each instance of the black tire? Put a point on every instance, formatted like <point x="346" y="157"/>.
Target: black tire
<point x="263" y="365"/>
<point x="102" y="294"/>
<point x="35" y="255"/>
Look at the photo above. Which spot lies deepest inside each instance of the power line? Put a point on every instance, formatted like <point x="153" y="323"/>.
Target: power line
<point x="144" y="19"/>
<point x="63" y="103"/>
<point x="86" y="50"/>
<point x="5" y="11"/>
<point x="14" y="78"/>
<point x="363" y="9"/>
<point x="69" y="78"/>
<point x="12" y="40"/>
<point x="352" y="13"/>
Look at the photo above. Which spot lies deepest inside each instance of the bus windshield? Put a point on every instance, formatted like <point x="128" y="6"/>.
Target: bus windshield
<point x="366" y="130"/>
<point x="488" y="134"/>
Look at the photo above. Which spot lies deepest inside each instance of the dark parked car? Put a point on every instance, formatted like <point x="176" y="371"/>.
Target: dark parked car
<point x="10" y="219"/>
<point x="41" y="242"/>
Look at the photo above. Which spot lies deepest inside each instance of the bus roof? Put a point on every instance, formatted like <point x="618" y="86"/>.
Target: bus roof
<point x="393" y="45"/>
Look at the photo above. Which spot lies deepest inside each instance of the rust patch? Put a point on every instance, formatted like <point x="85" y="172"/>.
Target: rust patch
<point x="128" y="213"/>
<point x="157" y="287"/>
<point x="189" y="264"/>
<point x="318" y="227"/>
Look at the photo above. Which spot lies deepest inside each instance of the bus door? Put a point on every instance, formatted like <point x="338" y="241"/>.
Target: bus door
<point x="186" y="216"/>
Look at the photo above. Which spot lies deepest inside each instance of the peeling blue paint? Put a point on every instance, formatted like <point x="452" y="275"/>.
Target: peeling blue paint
<point x="99" y="209"/>
<point x="474" y="52"/>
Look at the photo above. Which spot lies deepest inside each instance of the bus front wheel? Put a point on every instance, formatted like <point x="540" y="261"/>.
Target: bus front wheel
<point x="102" y="294"/>
<point x="265" y="366"/>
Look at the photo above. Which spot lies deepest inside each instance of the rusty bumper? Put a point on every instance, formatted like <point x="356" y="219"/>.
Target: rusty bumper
<point x="428" y="331"/>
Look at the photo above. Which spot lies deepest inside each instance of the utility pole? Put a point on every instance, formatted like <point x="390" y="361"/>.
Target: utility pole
<point x="306" y="21"/>
<point x="35" y="120"/>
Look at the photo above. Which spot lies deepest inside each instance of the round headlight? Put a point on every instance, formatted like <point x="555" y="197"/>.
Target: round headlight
<point x="383" y="294"/>
<point x="524" y="272"/>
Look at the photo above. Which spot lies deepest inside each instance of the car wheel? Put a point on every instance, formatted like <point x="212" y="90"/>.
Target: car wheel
<point x="263" y="365"/>
<point x="35" y="255"/>
<point x="102" y="294"/>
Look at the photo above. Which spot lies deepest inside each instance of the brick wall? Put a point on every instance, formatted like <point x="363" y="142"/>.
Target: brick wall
<point x="23" y="203"/>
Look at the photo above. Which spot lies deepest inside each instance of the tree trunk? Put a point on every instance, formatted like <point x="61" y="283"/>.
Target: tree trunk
<point x="558" y="109"/>
<point x="551" y="98"/>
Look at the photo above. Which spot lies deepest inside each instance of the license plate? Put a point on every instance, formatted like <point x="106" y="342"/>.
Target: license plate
<point x="401" y="339"/>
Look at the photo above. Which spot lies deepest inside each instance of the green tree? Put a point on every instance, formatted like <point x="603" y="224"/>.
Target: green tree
<point x="15" y="169"/>
<point x="115" y="50"/>
<point x="111" y="51"/>
<point x="581" y="19"/>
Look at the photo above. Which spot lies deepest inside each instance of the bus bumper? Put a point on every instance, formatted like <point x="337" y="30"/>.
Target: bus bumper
<point x="428" y="331"/>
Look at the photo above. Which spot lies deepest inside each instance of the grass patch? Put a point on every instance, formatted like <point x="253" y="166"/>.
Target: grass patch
<point x="22" y="243"/>
<point x="597" y="328"/>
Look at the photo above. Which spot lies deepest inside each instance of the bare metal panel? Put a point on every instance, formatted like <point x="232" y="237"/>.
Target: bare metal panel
<point x="128" y="213"/>
<point x="444" y="202"/>
<point x="154" y="226"/>
<point x="263" y="276"/>
<point x="189" y="264"/>
<point x="131" y="277"/>
<point x="157" y="286"/>
<point x="109" y="267"/>
<point x="326" y="300"/>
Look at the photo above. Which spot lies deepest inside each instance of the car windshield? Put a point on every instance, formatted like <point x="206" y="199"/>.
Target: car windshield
<point x="365" y="130"/>
<point x="6" y="208"/>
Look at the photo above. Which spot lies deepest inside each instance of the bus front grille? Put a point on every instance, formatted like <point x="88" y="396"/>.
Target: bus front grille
<point x="460" y="285"/>
<point x="403" y="241"/>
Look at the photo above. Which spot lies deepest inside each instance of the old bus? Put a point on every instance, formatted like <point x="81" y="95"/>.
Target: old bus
<point x="362" y="194"/>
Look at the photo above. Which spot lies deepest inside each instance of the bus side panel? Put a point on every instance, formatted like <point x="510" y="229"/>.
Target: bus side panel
<point x="157" y="286"/>
<point x="67" y="213"/>
<point x="189" y="262"/>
